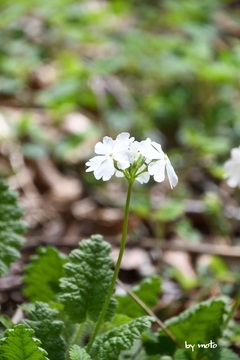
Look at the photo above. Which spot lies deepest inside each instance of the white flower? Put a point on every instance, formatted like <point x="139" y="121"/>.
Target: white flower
<point x="125" y="157"/>
<point x="109" y="151"/>
<point x="232" y="168"/>
<point x="158" y="162"/>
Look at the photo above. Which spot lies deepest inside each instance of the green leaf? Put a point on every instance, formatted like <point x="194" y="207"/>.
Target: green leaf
<point x="222" y="354"/>
<point x="19" y="344"/>
<point x="148" y="291"/>
<point x="88" y="275"/>
<point x="44" y="270"/>
<point x="170" y="211"/>
<point x="77" y="353"/>
<point x="6" y="321"/>
<point x="110" y="345"/>
<point x="207" y="354"/>
<point x="182" y="354"/>
<point x="193" y="326"/>
<point x="11" y="228"/>
<point x="42" y="319"/>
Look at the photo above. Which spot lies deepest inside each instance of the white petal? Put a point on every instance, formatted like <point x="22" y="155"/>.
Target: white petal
<point x="232" y="168"/>
<point x="122" y="160"/>
<point x="122" y="143"/>
<point x="105" y="147"/>
<point x="157" y="169"/>
<point x="105" y="171"/>
<point x="119" y="174"/>
<point x="149" y="151"/>
<point x="158" y="148"/>
<point x="94" y="163"/>
<point x="143" y="178"/>
<point x="172" y="176"/>
<point x="235" y="153"/>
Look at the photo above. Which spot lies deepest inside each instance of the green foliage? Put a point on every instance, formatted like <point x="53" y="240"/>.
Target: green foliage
<point x="182" y="355"/>
<point x="45" y="269"/>
<point x="212" y="354"/>
<point x="42" y="319"/>
<point x="110" y="345"/>
<point x="11" y="227"/>
<point x="222" y="354"/>
<point x="170" y="211"/>
<point x="193" y="326"/>
<point x="6" y="321"/>
<point x="19" y="344"/>
<point x="148" y="291"/>
<point x="77" y="353"/>
<point x="88" y="275"/>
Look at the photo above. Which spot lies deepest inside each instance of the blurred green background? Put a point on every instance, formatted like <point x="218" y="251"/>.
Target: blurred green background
<point x="74" y="71"/>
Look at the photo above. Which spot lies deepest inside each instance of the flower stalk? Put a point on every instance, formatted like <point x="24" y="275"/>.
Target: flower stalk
<point x="126" y="157"/>
<point x="117" y="267"/>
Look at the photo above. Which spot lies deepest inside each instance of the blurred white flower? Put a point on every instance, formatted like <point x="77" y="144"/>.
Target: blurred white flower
<point x="109" y="151"/>
<point x="5" y="129"/>
<point x="158" y="162"/>
<point x="232" y="168"/>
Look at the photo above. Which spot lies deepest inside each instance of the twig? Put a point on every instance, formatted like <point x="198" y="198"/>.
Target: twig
<point x="148" y="311"/>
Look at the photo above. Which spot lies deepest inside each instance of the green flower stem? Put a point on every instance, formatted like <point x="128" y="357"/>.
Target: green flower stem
<point x="76" y="337"/>
<point x="117" y="267"/>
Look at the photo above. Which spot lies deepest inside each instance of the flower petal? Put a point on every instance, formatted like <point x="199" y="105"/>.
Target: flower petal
<point x="235" y="153"/>
<point x="232" y="168"/>
<point x="106" y="170"/>
<point x="143" y="178"/>
<point x="158" y="148"/>
<point x="157" y="169"/>
<point x="122" y="142"/>
<point x="105" y="147"/>
<point x="149" y="151"/>
<point x="94" y="163"/>
<point x="172" y="176"/>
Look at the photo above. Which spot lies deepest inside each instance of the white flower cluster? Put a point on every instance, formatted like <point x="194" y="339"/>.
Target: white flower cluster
<point x="232" y="168"/>
<point x="127" y="157"/>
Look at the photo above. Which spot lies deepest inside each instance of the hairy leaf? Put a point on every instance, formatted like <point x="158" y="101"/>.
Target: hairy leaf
<point x="148" y="291"/>
<point x="42" y="319"/>
<point x="11" y="227"/>
<point x="120" y="338"/>
<point x="44" y="270"/>
<point x="193" y="326"/>
<point x="77" y="353"/>
<point x="19" y="344"/>
<point x="88" y="275"/>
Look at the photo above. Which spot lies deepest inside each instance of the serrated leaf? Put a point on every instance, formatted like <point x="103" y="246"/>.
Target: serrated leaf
<point x="110" y="345"/>
<point x="42" y="319"/>
<point x="148" y="291"/>
<point x="11" y="227"/>
<point x="88" y="275"/>
<point x="19" y="344"/>
<point x="45" y="270"/>
<point x="77" y="353"/>
<point x="193" y="326"/>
